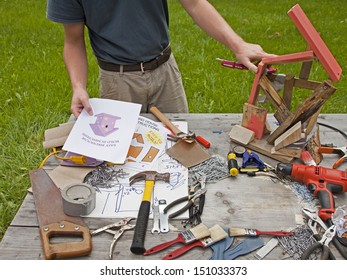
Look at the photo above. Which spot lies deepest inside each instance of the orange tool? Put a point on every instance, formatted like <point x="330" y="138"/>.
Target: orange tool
<point x="342" y="151"/>
<point x="321" y="181"/>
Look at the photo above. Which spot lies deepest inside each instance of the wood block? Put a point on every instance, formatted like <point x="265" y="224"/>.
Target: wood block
<point x="292" y="135"/>
<point x="58" y="132"/>
<point x="54" y="143"/>
<point x="290" y="152"/>
<point x="254" y="118"/>
<point x="241" y="134"/>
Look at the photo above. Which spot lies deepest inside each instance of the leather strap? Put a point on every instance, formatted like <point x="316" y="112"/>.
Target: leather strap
<point x="143" y="66"/>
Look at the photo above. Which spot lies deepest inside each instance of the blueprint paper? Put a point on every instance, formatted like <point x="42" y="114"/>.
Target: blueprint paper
<point x="147" y="145"/>
<point x="108" y="133"/>
<point x="122" y="200"/>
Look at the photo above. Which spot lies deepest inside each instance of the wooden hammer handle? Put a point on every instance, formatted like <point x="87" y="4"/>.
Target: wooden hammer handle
<point x="155" y="111"/>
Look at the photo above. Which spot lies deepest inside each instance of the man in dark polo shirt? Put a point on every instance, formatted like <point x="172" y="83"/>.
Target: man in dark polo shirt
<point x="130" y="40"/>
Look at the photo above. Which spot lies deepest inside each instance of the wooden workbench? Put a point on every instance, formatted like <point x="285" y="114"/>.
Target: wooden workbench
<point x="251" y="202"/>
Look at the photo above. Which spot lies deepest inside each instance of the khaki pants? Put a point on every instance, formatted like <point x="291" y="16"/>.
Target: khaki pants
<point x="161" y="87"/>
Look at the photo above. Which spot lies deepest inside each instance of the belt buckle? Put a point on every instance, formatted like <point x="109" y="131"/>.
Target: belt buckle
<point x="142" y="67"/>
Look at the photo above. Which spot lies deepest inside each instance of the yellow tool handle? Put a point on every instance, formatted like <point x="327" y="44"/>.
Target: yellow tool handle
<point x="147" y="193"/>
<point x="137" y="246"/>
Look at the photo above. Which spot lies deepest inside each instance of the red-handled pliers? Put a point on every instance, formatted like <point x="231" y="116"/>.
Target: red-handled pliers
<point x="189" y="137"/>
<point x="342" y="151"/>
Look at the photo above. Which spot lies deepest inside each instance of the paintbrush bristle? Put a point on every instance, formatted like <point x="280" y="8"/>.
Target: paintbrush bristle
<point x="200" y="231"/>
<point x="195" y="233"/>
<point x="217" y="233"/>
<point x="237" y="232"/>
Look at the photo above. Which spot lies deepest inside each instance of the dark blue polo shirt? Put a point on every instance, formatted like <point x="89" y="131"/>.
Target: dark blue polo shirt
<point x="120" y="31"/>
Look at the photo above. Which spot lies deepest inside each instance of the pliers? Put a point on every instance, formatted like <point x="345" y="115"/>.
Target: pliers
<point x="313" y="222"/>
<point x="117" y="229"/>
<point x="190" y="202"/>
<point x="341" y="151"/>
<point x="322" y="243"/>
<point x="189" y="137"/>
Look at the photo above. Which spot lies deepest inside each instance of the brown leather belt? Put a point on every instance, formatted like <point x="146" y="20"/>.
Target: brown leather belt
<point x="143" y="66"/>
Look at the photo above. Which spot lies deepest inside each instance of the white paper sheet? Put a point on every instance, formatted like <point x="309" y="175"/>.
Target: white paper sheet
<point x="108" y="133"/>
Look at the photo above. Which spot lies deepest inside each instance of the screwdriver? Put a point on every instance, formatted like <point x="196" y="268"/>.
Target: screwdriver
<point x="203" y="141"/>
<point x="232" y="164"/>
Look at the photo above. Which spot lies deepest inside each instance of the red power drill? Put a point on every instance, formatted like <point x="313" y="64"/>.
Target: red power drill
<point x="321" y="181"/>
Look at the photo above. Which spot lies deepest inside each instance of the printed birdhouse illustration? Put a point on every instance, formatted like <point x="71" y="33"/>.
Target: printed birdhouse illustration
<point x="104" y="124"/>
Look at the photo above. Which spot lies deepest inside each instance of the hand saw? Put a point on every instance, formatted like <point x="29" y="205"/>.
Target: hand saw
<point x="54" y="222"/>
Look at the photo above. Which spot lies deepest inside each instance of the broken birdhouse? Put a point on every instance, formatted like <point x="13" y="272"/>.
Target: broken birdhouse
<point x="295" y="124"/>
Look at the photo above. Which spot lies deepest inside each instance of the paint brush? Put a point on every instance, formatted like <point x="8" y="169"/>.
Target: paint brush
<point x="185" y="237"/>
<point x="217" y="233"/>
<point x="307" y="158"/>
<point x="255" y="232"/>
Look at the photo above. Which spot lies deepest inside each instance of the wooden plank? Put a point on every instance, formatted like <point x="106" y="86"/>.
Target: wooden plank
<point x="306" y="67"/>
<point x="282" y="111"/>
<point x="288" y="90"/>
<point x="261" y="146"/>
<point x="254" y="118"/>
<point x="290" y="152"/>
<point x="292" y="135"/>
<point x="315" y="42"/>
<point x="255" y="86"/>
<point x="289" y="58"/>
<point x="312" y="85"/>
<point x="306" y="109"/>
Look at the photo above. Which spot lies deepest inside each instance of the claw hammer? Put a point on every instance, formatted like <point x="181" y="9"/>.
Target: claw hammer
<point x="137" y="246"/>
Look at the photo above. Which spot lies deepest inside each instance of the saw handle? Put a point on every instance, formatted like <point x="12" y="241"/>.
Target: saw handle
<point x="65" y="249"/>
<point x="160" y="116"/>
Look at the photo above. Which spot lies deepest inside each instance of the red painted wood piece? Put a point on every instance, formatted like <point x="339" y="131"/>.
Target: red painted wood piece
<point x="289" y="58"/>
<point x="316" y="43"/>
<point x="255" y="87"/>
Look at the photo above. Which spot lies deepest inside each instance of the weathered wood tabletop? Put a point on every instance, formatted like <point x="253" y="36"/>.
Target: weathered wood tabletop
<point x="243" y="202"/>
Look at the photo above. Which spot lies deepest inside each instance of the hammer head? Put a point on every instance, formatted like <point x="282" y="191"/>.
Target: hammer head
<point x="149" y="176"/>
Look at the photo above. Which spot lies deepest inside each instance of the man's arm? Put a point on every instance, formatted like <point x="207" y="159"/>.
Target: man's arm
<point x="75" y="59"/>
<point x="209" y="20"/>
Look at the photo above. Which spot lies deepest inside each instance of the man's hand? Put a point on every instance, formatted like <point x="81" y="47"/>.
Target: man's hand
<point x="80" y="100"/>
<point x="247" y="53"/>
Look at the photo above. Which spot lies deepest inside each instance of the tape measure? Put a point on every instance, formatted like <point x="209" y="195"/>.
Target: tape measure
<point x="239" y="151"/>
<point x="78" y="199"/>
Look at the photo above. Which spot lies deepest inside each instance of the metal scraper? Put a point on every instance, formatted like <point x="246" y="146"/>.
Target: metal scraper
<point x="188" y="152"/>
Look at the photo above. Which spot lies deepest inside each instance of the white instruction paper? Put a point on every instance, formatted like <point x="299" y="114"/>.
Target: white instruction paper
<point x="108" y="133"/>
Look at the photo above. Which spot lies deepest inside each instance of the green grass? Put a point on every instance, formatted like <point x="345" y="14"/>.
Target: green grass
<point x="35" y="91"/>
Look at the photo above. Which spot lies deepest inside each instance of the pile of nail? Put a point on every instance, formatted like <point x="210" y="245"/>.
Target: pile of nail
<point x="296" y="244"/>
<point x="105" y="176"/>
<point x="215" y="169"/>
